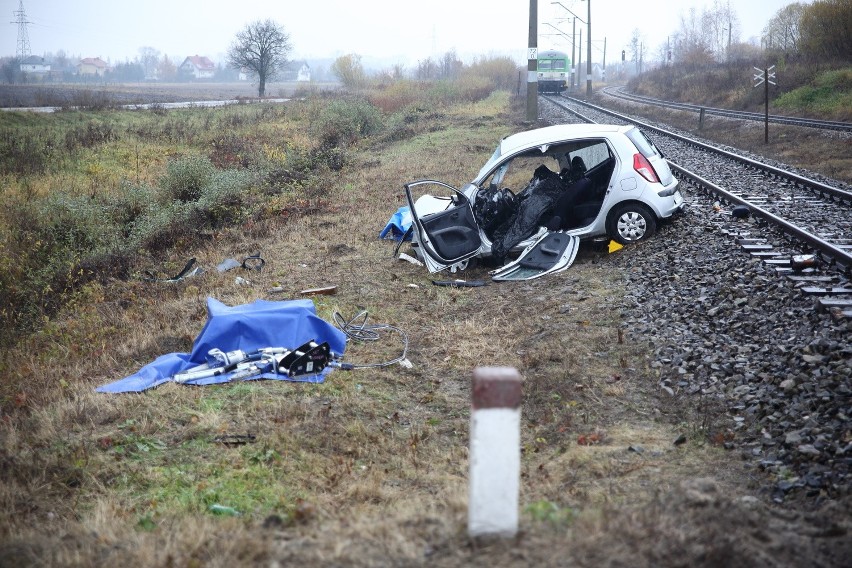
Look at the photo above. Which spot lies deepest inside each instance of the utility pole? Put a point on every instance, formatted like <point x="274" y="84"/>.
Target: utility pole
<point x="579" y="58"/>
<point x="23" y="50"/>
<point x="575" y="70"/>
<point x="532" y="64"/>
<point x="728" y="54"/>
<point x="589" y="52"/>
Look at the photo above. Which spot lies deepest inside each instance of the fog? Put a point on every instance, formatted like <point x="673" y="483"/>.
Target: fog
<point x="383" y="33"/>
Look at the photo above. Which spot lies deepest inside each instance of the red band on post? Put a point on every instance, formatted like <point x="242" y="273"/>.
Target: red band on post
<point x="496" y="387"/>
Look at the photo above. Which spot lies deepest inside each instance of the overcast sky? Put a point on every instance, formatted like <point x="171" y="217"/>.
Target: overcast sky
<point x="387" y="31"/>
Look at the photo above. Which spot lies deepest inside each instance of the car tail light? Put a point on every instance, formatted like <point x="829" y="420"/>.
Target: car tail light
<point x="644" y="168"/>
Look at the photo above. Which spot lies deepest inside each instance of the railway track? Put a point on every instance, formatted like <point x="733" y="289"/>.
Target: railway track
<point x="729" y="316"/>
<point x="816" y="213"/>
<point x="618" y="92"/>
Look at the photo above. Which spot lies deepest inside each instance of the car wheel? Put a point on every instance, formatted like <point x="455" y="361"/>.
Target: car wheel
<point x="630" y="223"/>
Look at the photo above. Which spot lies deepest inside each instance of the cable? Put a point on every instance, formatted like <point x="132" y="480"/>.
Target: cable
<point x="357" y="329"/>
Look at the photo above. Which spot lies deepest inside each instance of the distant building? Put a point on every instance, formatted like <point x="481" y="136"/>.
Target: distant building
<point x="35" y="64"/>
<point x="92" y="67"/>
<point x="296" y="71"/>
<point x="198" y="66"/>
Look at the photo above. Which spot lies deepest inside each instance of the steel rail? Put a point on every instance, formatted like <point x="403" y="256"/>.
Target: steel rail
<point x="825" y="248"/>
<point x="803" y="181"/>
<point x="743" y="114"/>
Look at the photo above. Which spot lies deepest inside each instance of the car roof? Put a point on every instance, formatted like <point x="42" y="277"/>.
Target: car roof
<point x="555" y="134"/>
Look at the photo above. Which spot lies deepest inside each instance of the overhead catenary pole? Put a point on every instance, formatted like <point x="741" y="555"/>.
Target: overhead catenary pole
<point x="580" y="59"/>
<point x="574" y="69"/>
<point x="579" y="46"/>
<point x="589" y="50"/>
<point x="532" y="64"/>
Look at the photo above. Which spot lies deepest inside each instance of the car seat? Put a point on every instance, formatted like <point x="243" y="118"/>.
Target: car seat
<point x="576" y="171"/>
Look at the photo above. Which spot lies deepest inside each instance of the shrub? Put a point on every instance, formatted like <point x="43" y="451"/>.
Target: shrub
<point x="223" y="198"/>
<point x="396" y="96"/>
<point x="87" y="99"/>
<point x="89" y="136"/>
<point x="500" y="72"/>
<point x="24" y="153"/>
<point x="186" y="177"/>
<point x="345" y="121"/>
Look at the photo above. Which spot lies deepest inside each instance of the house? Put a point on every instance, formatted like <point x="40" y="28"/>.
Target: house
<point x="92" y="67"/>
<point x="35" y="64"/>
<point x="198" y="66"/>
<point x="297" y="71"/>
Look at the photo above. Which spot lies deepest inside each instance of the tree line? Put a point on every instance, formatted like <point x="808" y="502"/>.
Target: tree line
<point x="821" y="30"/>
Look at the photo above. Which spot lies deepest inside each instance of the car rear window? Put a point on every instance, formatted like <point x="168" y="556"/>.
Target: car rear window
<point x="642" y="144"/>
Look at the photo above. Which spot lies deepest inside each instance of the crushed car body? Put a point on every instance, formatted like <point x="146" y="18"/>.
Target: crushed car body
<point x="541" y="192"/>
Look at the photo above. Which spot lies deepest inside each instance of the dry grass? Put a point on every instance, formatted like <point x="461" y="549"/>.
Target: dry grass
<point x="370" y="467"/>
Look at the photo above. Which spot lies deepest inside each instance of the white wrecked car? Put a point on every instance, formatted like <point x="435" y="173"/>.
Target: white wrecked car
<point x="540" y="193"/>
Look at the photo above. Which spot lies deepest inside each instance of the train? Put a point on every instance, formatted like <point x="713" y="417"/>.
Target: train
<point x="554" y="71"/>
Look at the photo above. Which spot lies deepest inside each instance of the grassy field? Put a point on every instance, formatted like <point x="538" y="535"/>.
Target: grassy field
<point x="368" y="468"/>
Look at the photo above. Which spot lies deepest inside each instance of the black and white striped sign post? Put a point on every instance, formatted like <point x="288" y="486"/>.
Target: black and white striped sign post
<point x="495" y="452"/>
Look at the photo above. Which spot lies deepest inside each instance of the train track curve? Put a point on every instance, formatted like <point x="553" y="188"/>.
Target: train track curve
<point x="619" y="92"/>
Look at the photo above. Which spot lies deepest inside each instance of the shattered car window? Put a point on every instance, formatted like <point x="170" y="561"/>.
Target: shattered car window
<point x="519" y="171"/>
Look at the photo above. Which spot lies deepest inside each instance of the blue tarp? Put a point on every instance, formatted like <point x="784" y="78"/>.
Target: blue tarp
<point x="398" y="225"/>
<point x="248" y="327"/>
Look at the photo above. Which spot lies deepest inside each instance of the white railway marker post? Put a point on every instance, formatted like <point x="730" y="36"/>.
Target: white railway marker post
<point x="495" y="452"/>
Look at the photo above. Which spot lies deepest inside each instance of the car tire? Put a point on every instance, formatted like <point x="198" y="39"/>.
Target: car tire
<point x="630" y="223"/>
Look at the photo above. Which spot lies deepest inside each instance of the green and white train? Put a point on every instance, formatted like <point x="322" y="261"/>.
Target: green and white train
<point x="554" y="71"/>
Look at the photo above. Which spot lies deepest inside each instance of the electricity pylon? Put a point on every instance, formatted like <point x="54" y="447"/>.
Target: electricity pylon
<point x="23" y="50"/>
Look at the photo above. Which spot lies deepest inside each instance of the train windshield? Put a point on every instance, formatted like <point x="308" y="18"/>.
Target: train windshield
<point x="544" y="65"/>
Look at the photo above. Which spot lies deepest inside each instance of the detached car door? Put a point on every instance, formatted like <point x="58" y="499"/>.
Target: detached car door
<point x="444" y="227"/>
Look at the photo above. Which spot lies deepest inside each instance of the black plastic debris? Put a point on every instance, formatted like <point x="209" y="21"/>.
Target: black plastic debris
<point x="187" y="271"/>
<point x="460" y="283"/>
<point x="741" y="212"/>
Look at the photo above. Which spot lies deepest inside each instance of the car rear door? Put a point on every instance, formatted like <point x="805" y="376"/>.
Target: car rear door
<point x="444" y="228"/>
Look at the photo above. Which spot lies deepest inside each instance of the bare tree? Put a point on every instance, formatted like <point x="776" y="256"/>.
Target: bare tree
<point x="149" y="58"/>
<point x="449" y="65"/>
<point x="693" y="42"/>
<point x="261" y="49"/>
<point x="783" y="30"/>
<point x="426" y="69"/>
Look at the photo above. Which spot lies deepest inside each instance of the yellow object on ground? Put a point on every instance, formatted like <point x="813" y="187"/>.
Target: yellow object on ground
<point x="614" y="246"/>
